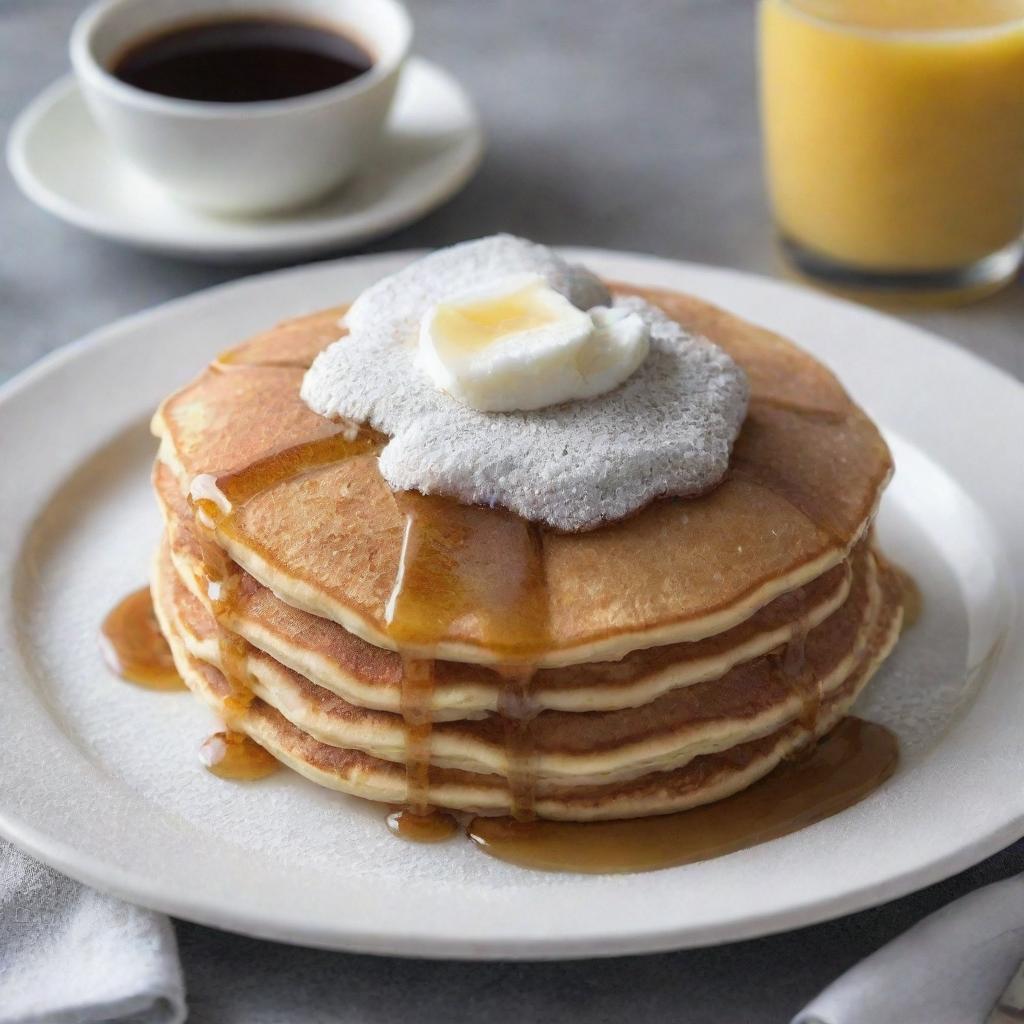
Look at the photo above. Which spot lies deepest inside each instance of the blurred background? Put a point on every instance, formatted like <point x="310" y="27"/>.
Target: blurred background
<point x="626" y="126"/>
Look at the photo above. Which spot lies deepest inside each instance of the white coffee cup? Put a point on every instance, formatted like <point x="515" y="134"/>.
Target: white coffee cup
<point x="242" y="158"/>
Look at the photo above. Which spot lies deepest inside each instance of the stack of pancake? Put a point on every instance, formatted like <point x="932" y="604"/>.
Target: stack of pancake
<point x="419" y="652"/>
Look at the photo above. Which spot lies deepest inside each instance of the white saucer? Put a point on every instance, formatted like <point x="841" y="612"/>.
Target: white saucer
<point x="101" y="779"/>
<point x="62" y="161"/>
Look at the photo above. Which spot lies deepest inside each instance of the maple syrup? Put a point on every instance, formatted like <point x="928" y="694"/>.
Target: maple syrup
<point x="842" y="769"/>
<point x="476" y="564"/>
<point x="266" y="473"/>
<point x="455" y="562"/>
<point x="133" y="646"/>
<point x="790" y="663"/>
<point x="233" y="755"/>
<point x="517" y="710"/>
<point x="229" y="754"/>
<point x="466" y="562"/>
<point x="417" y="715"/>
<point x="220" y="576"/>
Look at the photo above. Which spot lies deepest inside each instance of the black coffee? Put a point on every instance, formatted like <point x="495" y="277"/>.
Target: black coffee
<point x="242" y="60"/>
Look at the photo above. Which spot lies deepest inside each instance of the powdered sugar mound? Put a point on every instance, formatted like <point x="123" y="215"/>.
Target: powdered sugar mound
<point x="396" y="303"/>
<point x="667" y="430"/>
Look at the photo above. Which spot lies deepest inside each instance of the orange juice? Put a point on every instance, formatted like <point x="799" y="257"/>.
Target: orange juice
<point x="894" y="129"/>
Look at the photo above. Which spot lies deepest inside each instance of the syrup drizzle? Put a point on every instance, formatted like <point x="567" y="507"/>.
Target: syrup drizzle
<point x="481" y="566"/>
<point x="455" y="562"/>
<point x="263" y="474"/>
<point x="220" y="576"/>
<point x="789" y="664"/>
<point x="518" y="710"/>
<point x="133" y="646"/>
<point x="417" y="714"/>
<point x="852" y="761"/>
<point x="805" y="681"/>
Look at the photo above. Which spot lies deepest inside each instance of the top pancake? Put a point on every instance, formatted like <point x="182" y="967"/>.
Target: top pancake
<point x="805" y="478"/>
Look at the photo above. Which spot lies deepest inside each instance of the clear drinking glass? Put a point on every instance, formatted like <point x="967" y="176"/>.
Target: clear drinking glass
<point x="894" y="139"/>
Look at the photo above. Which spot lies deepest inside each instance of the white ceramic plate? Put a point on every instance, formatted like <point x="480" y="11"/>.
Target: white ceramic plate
<point x="101" y="779"/>
<point x="431" y="148"/>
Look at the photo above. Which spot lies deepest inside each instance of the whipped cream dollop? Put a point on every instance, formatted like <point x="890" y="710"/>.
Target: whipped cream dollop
<point x="664" y="408"/>
<point x="516" y="343"/>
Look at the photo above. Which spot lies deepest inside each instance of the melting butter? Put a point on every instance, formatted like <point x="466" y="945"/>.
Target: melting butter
<point x="470" y="327"/>
<point x="518" y="344"/>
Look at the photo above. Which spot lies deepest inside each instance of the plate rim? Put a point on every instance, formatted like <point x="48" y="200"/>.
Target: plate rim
<point x="288" y="240"/>
<point x="61" y="854"/>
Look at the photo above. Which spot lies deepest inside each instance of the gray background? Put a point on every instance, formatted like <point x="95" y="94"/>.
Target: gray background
<point x="623" y="125"/>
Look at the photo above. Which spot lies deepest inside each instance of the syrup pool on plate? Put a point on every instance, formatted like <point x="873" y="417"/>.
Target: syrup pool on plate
<point x="842" y="769"/>
<point x="429" y="827"/>
<point x="134" y="647"/>
<point x="233" y="755"/>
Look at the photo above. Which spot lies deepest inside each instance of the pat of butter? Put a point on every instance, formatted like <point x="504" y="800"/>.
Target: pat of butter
<point x="518" y="344"/>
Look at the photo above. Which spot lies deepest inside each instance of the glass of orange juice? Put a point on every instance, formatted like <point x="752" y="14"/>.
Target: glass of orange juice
<point x="894" y="139"/>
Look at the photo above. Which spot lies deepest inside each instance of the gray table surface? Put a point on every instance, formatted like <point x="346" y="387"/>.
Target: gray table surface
<point x="628" y="126"/>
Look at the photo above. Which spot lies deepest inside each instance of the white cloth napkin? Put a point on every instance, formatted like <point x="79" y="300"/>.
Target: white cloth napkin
<point x="70" y="955"/>
<point x="950" y="968"/>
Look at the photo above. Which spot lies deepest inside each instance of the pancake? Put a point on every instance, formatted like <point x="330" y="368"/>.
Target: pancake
<point x="329" y="541"/>
<point x="363" y="674"/>
<point x="750" y="701"/>
<point x="703" y="779"/>
<point x="294" y="343"/>
<point x="779" y="372"/>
